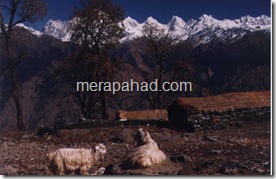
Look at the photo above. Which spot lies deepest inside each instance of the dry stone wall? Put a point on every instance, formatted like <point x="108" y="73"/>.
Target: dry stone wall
<point x="236" y="118"/>
<point x="220" y="111"/>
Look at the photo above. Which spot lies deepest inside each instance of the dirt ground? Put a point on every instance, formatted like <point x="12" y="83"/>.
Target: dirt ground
<point x="243" y="150"/>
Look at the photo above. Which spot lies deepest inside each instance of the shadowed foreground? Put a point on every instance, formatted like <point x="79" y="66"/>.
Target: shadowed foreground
<point x="243" y="150"/>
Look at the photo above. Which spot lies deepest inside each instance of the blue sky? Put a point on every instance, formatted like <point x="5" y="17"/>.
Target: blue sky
<point x="163" y="10"/>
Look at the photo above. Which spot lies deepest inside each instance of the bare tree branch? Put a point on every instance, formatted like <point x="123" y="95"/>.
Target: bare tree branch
<point x="17" y="11"/>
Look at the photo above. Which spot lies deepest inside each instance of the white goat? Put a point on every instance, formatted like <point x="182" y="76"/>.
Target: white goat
<point x="69" y="159"/>
<point x="147" y="154"/>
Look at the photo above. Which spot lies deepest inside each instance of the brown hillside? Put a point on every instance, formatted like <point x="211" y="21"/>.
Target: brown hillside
<point x="229" y="101"/>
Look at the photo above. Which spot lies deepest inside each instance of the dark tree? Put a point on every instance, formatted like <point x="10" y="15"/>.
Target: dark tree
<point x="160" y="45"/>
<point x="98" y="29"/>
<point x="168" y="61"/>
<point x="15" y="12"/>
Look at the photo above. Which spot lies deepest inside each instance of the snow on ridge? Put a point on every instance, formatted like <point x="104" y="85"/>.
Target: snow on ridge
<point x="176" y="24"/>
<point x="132" y="29"/>
<point x="131" y="22"/>
<point x="177" y="27"/>
<point x="58" y="29"/>
<point x="33" y="31"/>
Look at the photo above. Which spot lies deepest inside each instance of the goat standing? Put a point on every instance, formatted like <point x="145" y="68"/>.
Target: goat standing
<point x="69" y="159"/>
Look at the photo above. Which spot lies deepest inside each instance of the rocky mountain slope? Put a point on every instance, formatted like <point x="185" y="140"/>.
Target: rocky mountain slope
<point x="38" y="87"/>
<point x="228" y="55"/>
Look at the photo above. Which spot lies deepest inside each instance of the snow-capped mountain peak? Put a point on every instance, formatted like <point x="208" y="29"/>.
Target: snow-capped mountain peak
<point x="206" y="17"/>
<point x="176" y="23"/>
<point x="58" y="29"/>
<point x="132" y="28"/>
<point x="154" y="23"/>
<point x="129" y="22"/>
<point x="208" y="21"/>
<point x="151" y="20"/>
<point x="33" y="31"/>
<point x="202" y="30"/>
<point x="261" y="20"/>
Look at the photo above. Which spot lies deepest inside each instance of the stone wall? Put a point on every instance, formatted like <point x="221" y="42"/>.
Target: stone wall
<point x="220" y="111"/>
<point x="214" y="120"/>
<point x="206" y="113"/>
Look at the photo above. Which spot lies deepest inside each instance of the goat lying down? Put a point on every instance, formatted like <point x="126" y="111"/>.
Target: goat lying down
<point x="69" y="159"/>
<point x="148" y="153"/>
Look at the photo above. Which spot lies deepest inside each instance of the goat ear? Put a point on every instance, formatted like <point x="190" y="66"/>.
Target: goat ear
<point x="145" y="135"/>
<point x="102" y="146"/>
<point x="142" y="133"/>
<point x="103" y="150"/>
<point x="140" y="130"/>
<point x="96" y="148"/>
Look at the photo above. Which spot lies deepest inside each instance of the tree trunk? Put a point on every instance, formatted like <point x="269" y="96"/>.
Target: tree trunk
<point x="15" y="86"/>
<point x="17" y="99"/>
<point x="103" y="105"/>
